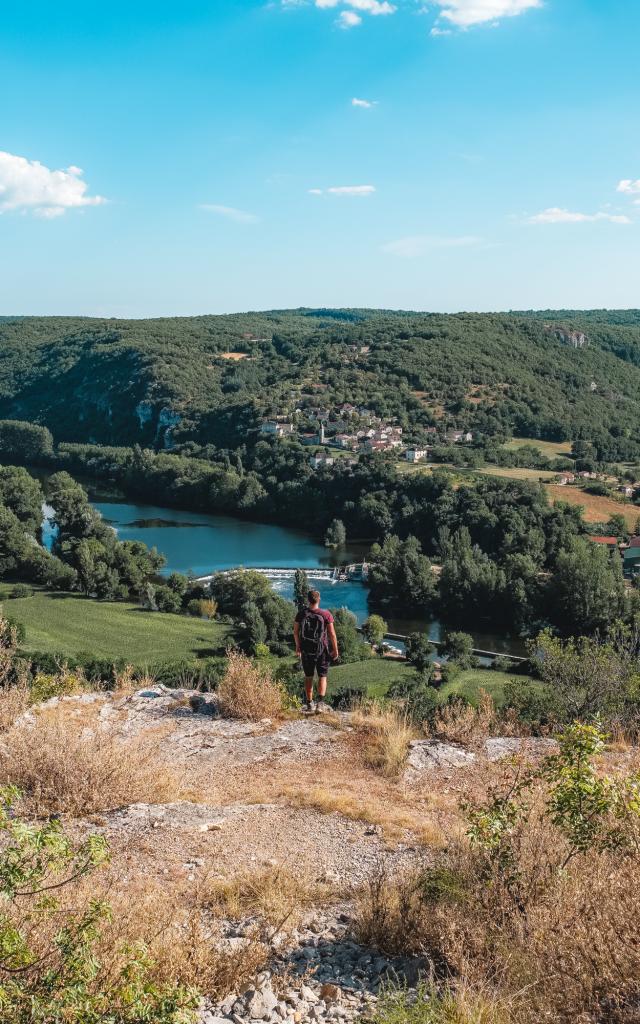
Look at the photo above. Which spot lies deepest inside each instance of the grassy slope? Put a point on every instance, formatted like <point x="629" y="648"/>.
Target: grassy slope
<point x="378" y="673"/>
<point x="73" y="624"/>
<point x="597" y="509"/>
<point x="552" y="449"/>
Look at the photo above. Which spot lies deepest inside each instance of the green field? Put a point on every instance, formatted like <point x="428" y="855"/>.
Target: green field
<point x="469" y="683"/>
<point x="377" y="673"/>
<point x="551" y="449"/>
<point x="72" y="625"/>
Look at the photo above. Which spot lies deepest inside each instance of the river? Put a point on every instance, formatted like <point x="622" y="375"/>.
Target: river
<point x="197" y="543"/>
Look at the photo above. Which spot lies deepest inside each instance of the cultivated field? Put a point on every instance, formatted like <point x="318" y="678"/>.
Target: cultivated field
<point x="597" y="509"/>
<point x="72" y="625"/>
<point x="517" y="473"/>
<point x="552" y="449"/>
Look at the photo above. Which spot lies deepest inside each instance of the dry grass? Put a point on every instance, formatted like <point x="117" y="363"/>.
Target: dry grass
<point x="182" y="938"/>
<point x="62" y="767"/>
<point x="276" y="895"/>
<point x="14" y="701"/>
<point x="553" y="943"/>
<point x="389" y="810"/>
<point x="597" y="509"/>
<point x="248" y="690"/>
<point x="464" y="723"/>
<point x="383" y="735"/>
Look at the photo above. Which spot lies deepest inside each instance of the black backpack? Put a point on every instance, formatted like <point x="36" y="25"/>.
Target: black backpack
<point x="313" y="633"/>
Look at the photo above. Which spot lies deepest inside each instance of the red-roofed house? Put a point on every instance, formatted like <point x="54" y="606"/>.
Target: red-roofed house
<point x="634" y="542"/>
<point x="610" y="542"/>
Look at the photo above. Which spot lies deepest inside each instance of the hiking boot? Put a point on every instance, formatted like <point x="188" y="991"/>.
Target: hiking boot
<point x="309" y="707"/>
<point x="322" y="708"/>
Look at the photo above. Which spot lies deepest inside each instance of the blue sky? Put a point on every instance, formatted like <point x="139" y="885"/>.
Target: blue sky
<point x="169" y="159"/>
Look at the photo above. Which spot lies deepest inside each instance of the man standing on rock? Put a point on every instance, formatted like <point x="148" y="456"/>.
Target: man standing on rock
<point x="317" y="646"/>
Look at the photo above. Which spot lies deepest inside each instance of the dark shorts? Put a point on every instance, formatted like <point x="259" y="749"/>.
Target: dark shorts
<point x="316" y="663"/>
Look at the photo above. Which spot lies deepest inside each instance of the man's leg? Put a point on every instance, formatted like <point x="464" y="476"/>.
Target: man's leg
<point x="308" y="688"/>
<point x="322" y="687"/>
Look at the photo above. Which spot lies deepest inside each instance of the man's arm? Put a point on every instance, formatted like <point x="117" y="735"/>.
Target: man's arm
<point x="335" y="653"/>
<point x="296" y="636"/>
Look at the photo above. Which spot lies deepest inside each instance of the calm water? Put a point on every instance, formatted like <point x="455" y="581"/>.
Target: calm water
<point x="200" y="544"/>
<point x="197" y="543"/>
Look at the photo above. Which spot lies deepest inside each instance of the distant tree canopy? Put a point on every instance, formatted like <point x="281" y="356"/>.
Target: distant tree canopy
<point x="169" y="381"/>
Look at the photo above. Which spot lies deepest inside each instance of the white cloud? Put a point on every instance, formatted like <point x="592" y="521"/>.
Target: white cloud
<point x="29" y="185"/>
<point x="374" y="7"/>
<point x="231" y="213"/>
<point x="629" y="187"/>
<point x="465" y="13"/>
<point x="348" y="19"/>
<point x="351" y="190"/>
<point x="557" y="215"/>
<point x="366" y="104"/>
<point x="417" y="245"/>
<point x="344" y="190"/>
<point x="350" y="11"/>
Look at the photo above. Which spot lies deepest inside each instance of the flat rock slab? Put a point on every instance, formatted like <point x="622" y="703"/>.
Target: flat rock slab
<point x="498" y="747"/>
<point x="428" y="755"/>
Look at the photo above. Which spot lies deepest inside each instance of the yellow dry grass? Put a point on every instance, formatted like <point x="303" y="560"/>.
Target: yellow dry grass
<point x="597" y="509"/>
<point x="274" y="894"/>
<point x="248" y="690"/>
<point x="61" y="765"/>
<point x="233" y="356"/>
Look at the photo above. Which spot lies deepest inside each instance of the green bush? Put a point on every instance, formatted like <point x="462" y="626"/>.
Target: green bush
<point x="419" y="698"/>
<point x="50" y="967"/>
<point x="345" y="696"/>
<point x="20" y="590"/>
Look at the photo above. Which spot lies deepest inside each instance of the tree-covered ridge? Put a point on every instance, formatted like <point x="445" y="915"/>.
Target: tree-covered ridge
<point x="211" y="379"/>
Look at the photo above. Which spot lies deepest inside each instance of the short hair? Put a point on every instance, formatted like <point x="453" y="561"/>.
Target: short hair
<point x="313" y="596"/>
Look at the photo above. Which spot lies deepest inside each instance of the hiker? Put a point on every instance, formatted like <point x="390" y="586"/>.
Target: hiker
<point x="317" y="646"/>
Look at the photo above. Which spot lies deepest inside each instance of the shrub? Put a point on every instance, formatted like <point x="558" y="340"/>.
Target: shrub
<point x="344" y="697"/>
<point x="63" y="768"/>
<point x="248" y="690"/>
<point x="50" y="963"/>
<point x="539" y="897"/>
<point x="385" y="734"/>
<point x="21" y="590"/>
<point x="419" y="699"/>
<point x="460" y="721"/>
<point x="432" y="1005"/>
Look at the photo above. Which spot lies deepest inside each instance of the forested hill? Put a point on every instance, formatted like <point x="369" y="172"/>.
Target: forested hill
<point x="212" y="379"/>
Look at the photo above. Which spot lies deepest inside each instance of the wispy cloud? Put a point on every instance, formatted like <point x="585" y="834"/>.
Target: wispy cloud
<point x="558" y="215"/>
<point x="417" y="245"/>
<point x="467" y="13"/>
<point x="365" y="104"/>
<point x="29" y="186"/>
<point x="231" y="213"/>
<point x="629" y="187"/>
<point x="344" y="190"/>
<point x="350" y="12"/>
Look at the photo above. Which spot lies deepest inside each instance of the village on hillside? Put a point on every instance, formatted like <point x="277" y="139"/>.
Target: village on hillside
<point x="355" y="430"/>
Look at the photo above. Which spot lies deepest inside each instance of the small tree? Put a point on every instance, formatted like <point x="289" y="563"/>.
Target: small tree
<point x="419" y="651"/>
<point x="300" y="588"/>
<point x="458" y="647"/>
<point x="336" y="535"/>
<point x="374" y="630"/>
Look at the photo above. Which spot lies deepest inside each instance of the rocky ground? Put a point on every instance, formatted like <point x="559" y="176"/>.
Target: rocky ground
<point x="293" y="796"/>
